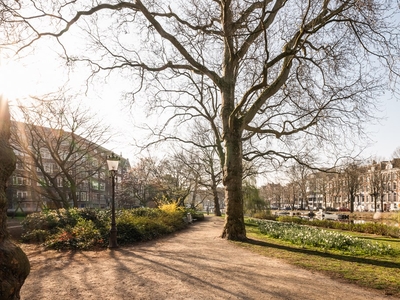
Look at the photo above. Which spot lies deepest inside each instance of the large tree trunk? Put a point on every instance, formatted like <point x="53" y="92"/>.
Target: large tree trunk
<point x="234" y="228"/>
<point x="14" y="265"/>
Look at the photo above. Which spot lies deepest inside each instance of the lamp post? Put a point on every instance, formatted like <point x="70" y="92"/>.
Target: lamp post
<point x="112" y="163"/>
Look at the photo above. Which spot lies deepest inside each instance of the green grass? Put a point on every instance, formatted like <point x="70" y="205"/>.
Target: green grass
<point x="379" y="272"/>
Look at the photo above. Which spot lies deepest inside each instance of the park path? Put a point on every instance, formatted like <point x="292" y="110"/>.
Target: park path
<point x="192" y="264"/>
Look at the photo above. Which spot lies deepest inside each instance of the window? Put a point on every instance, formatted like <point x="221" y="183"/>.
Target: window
<point x="55" y="167"/>
<point x="102" y="186"/>
<point x="48" y="168"/>
<point x="60" y="182"/>
<point x="17" y="180"/>
<point x="95" y="163"/>
<point x="95" y="184"/>
<point x="85" y="184"/>
<point x="84" y="196"/>
<point x="22" y="195"/>
<point x="44" y="153"/>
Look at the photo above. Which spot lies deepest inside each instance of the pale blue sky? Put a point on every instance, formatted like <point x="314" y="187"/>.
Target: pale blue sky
<point x="386" y="134"/>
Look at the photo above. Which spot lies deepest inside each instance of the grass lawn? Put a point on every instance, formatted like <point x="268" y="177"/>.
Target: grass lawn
<point x="378" y="272"/>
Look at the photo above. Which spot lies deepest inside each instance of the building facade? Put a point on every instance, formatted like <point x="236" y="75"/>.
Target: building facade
<point x="373" y="187"/>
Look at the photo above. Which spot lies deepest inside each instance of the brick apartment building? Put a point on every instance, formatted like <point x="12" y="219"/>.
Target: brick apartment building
<point x="57" y="169"/>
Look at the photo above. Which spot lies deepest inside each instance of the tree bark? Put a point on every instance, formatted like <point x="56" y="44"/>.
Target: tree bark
<point x="234" y="228"/>
<point x="14" y="264"/>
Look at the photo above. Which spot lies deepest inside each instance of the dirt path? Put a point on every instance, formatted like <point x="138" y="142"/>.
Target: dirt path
<point x="193" y="264"/>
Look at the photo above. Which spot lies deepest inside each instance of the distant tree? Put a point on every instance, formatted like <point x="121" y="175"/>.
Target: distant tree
<point x="141" y="184"/>
<point x="61" y="146"/>
<point x="298" y="176"/>
<point x="376" y="180"/>
<point x="323" y="179"/>
<point x="128" y="194"/>
<point x="352" y="173"/>
<point x="202" y="162"/>
<point x="272" y="194"/>
<point x="253" y="203"/>
<point x="337" y="187"/>
<point x="396" y="153"/>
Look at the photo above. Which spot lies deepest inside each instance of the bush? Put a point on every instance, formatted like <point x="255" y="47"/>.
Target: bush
<point x="87" y="229"/>
<point x="266" y="215"/>
<point x="84" y="235"/>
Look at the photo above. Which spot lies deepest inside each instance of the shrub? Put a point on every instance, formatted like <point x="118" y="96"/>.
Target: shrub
<point x="266" y="215"/>
<point x="170" y="207"/>
<point x="84" y="235"/>
<point x="128" y="230"/>
<point x="86" y="229"/>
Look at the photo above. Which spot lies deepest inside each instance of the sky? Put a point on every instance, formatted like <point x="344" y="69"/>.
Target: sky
<point x="386" y="133"/>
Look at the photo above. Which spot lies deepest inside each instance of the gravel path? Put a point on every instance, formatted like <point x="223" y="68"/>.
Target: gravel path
<point x="193" y="264"/>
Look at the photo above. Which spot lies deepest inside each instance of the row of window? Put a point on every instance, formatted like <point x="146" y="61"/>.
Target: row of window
<point x="95" y="185"/>
<point x="82" y="196"/>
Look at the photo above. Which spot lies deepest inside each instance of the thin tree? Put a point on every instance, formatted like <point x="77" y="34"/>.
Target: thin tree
<point x="352" y="174"/>
<point x="396" y="153"/>
<point x="287" y="73"/>
<point x="298" y="176"/>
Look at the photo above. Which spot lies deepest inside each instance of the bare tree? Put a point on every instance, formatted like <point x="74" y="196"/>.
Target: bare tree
<point x="396" y="153"/>
<point x="156" y="182"/>
<point x="286" y="73"/>
<point x="298" y="176"/>
<point x="376" y="182"/>
<point x="203" y="167"/>
<point x="272" y="193"/>
<point x="203" y="162"/>
<point x="61" y="146"/>
<point x="323" y="180"/>
<point x="352" y="174"/>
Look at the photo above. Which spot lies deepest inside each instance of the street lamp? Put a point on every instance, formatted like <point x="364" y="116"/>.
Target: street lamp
<point x="112" y="163"/>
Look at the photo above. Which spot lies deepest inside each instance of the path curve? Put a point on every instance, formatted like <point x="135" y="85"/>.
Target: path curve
<point x="193" y="264"/>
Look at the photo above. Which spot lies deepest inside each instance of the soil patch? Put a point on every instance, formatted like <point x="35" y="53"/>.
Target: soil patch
<point x="191" y="264"/>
